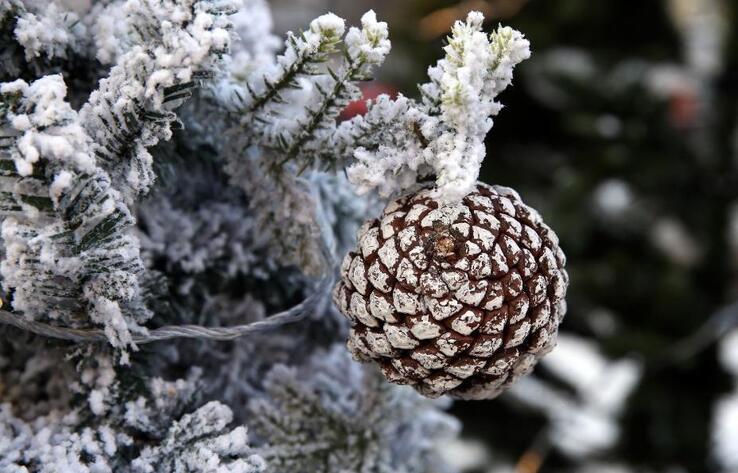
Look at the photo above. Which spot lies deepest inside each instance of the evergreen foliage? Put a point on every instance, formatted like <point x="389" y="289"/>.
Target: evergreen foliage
<point x="115" y="219"/>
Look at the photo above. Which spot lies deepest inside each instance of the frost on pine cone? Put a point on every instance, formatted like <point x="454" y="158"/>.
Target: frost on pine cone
<point x="459" y="299"/>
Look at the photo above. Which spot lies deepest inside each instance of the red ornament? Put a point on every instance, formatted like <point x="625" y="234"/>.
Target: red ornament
<point x="684" y="108"/>
<point x="369" y="91"/>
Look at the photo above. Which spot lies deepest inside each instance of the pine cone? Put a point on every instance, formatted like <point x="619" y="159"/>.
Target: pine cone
<point x="459" y="300"/>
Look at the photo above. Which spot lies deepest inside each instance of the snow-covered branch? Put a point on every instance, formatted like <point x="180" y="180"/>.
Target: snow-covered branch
<point x="313" y="420"/>
<point x="286" y="117"/>
<point x="174" y="45"/>
<point x="67" y="248"/>
<point x="443" y="137"/>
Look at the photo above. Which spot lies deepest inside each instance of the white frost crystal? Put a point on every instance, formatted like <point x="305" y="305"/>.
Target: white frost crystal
<point x="284" y="124"/>
<point x="443" y="136"/>
<point x="173" y="43"/>
<point x="49" y="31"/>
<point x="199" y="443"/>
<point x="73" y="177"/>
<point x="329" y="411"/>
<point x="368" y="45"/>
<point x="115" y="223"/>
<point x="40" y="267"/>
<point x="47" y="125"/>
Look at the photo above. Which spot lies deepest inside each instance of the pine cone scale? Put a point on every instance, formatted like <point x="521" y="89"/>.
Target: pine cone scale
<point x="459" y="299"/>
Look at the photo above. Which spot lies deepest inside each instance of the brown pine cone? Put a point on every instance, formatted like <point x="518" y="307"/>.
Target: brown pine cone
<point x="459" y="300"/>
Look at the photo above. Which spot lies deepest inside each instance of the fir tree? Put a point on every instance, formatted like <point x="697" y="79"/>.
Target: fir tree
<point x="166" y="176"/>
